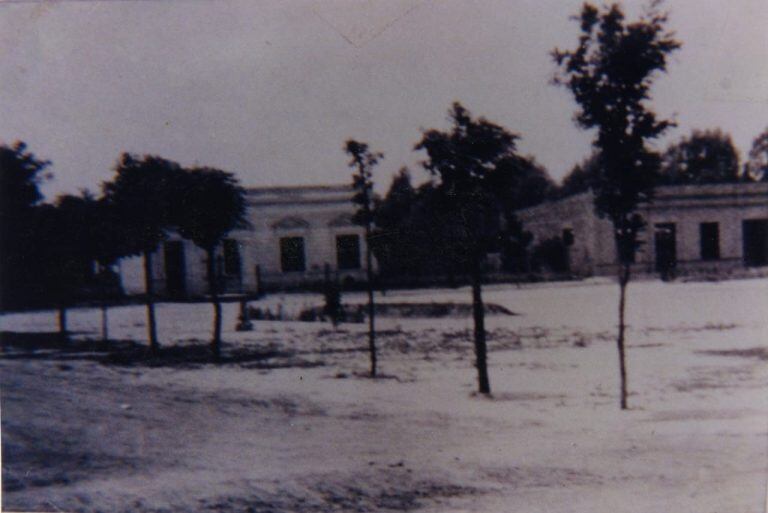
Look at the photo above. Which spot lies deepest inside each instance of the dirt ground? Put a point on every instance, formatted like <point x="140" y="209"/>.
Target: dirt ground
<point x="288" y="421"/>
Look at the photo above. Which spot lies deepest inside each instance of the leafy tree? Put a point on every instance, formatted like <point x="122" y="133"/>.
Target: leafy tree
<point x="363" y="160"/>
<point x="522" y="182"/>
<point x="581" y="177"/>
<point x="519" y="182"/>
<point x="143" y="195"/>
<point x="433" y="235"/>
<point x="610" y="73"/>
<point x="413" y="233"/>
<point x="705" y="157"/>
<point x="108" y="246"/>
<point x="211" y="203"/>
<point x="90" y="231"/>
<point x="471" y="160"/>
<point x="67" y="229"/>
<point x="390" y="242"/>
<point x="54" y="261"/>
<point x="21" y="174"/>
<point x="404" y="222"/>
<point x="757" y="165"/>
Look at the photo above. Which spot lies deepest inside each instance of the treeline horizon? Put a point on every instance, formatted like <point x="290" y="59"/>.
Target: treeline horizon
<point x="704" y="157"/>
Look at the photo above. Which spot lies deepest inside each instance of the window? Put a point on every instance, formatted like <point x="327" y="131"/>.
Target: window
<point x="755" y="241"/>
<point x="348" y="252"/>
<point x="231" y="257"/>
<point x="709" y="237"/>
<point x="292" y="254"/>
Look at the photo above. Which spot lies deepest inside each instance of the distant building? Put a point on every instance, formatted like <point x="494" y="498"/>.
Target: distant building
<point x="296" y="236"/>
<point x="699" y="229"/>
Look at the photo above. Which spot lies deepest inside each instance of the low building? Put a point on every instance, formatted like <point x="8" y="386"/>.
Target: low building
<point x="296" y="237"/>
<point x="701" y="229"/>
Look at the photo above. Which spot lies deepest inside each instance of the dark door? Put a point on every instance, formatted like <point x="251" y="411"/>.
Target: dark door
<point x="348" y="252"/>
<point x="666" y="248"/>
<point x="292" y="254"/>
<point x="175" y="269"/>
<point x="231" y="265"/>
<point x="755" y="240"/>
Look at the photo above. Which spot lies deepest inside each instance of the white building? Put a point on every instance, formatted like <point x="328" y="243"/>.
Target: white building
<point x="710" y="229"/>
<point x="296" y="236"/>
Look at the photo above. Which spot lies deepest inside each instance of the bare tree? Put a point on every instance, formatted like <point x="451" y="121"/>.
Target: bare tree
<point x="363" y="160"/>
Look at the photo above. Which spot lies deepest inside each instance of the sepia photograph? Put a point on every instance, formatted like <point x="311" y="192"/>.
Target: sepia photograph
<point x="352" y="256"/>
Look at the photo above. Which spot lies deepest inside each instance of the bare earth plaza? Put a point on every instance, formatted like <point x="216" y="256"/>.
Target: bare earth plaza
<point x="384" y="255"/>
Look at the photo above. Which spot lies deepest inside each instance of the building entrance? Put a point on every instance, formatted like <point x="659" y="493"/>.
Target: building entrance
<point x="755" y="238"/>
<point x="665" y="241"/>
<point x="175" y="269"/>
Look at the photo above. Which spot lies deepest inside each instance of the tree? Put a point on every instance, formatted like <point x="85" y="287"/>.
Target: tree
<point x="211" y="203"/>
<point x="393" y="214"/>
<point x="67" y="229"/>
<point x="472" y="160"/>
<point x="143" y="195"/>
<point x="52" y="262"/>
<point x="108" y="246"/>
<point x="21" y="174"/>
<point x="406" y="238"/>
<point x="413" y="234"/>
<point x="610" y="74"/>
<point x="95" y="232"/>
<point x="580" y="178"/>
<point x="363" y="160"/>
<point x="757" y="164"/>
<point x="705" y="157"/>
<point x="84" y="230"/>
<point x="522" y="182"/>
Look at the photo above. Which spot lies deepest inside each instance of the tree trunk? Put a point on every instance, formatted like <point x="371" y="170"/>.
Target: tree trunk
<point x="63" y="332"/>
<point x="149" y="287"/>
<point x="104" y="322"/>
<point x="624" y="273"/>
<point x="213" y="291"/>
<point x="371" y="306"/>
<point x="478" y="312"/>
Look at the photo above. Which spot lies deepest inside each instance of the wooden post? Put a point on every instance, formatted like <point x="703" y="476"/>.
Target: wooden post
<point x="245" y="323"/>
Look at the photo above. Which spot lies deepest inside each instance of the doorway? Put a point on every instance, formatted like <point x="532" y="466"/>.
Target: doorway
<point x="665" y="239"/>
<point x="175" y="269"/>
<point x="755" y="240"/>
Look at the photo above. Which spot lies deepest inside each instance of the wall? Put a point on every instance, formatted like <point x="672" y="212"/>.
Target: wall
<point x="687" y="206"/>
<point x="316" y="213"/>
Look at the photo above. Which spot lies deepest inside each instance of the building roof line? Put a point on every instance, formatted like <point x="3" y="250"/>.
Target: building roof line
<point x="298" y="188"/>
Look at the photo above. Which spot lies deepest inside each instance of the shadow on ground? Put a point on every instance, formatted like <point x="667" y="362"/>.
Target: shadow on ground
<point x="52" y="346"/>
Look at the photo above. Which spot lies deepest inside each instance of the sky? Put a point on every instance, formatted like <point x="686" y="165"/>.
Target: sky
<point x="271" y="89"/>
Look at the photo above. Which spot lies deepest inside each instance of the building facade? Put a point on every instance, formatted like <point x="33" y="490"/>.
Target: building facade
<point x="696" y="229"/>
<point x="297" y="236"/>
